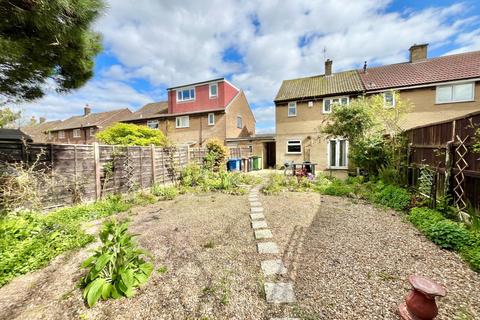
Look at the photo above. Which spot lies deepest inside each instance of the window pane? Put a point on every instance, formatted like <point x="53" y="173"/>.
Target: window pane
<point x="389" y="99"/>
<point x="333" y="153"/>
<point x="294" y="146"/>
<point x="344" y="101"/>
<point x="463" y="91"/>
<point x="444" y="94"/>
<point x="342" y="161"/>
<point x="292" y="109"/>
<point x="327" y="105"/>
<point x="213" y="90"/>
<point x="179" y="95"/>
<point x="192" y="93"/>
<point x="186" y="94"/>
<point x="335" y="101"/>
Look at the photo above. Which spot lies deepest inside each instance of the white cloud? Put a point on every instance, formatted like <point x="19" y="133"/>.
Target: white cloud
<point x="174" y="42"/>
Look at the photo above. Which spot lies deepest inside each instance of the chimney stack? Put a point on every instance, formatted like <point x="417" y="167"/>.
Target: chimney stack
<point x="42" y="120"/>
<point x="418" y="52"/>
<point x="87" y="110"/>
<point x="328" y="67"/>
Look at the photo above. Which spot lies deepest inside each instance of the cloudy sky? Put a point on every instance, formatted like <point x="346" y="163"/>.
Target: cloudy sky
<point x="150" y="45"/>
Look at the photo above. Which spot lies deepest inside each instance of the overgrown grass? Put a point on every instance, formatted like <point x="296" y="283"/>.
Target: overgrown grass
<point x="165" y="193"/>
<point x="31" y="240"/>
<point x="448" y="234"/>
<point x="196" y="178"/>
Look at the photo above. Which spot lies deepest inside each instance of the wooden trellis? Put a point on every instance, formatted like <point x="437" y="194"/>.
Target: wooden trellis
<point x="425" y="181"/>
<point x="459" y="178"/>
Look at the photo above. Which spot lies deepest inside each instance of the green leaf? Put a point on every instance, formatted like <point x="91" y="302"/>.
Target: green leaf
<point x="147" y="268"/>
<point x="141" y="278"/>
<point x="95" y="291"/>
<point x="102" y="261"/>
<point x="107" y="289"/>
<point x="115" y="294"/>
<point x="87" y="262"/>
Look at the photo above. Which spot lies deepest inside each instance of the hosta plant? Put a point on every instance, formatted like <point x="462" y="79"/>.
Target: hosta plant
<point x="117" y="267"/>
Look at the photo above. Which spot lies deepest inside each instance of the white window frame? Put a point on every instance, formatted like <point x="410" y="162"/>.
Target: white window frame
<point x="210" y="86"/>
<point x="394" y="102"/>
<point x="298" y="142"/>
<point x="452" y="88"/>
<point x="178" y="122"/>
<point x="153" y="122"/>
<point x="212" y="122"/>
<point x="293" y="105"/>
<point x="61" y="134"/>
<point x="77" y="133"/>
<point x="179" y="93"/>
<point x="337" y="153"/>
<point x="91" y="131"/>
<point x="331" y="102"/>
<point x="241" y="122"/>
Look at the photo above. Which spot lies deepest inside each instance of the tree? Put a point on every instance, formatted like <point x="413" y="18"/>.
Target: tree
<point x="132" y="135"/>
<point x="372" y="129"/>
<point x="42" y="40"/>
<point x="8" y="116"/>
<point x="216" y="155"/>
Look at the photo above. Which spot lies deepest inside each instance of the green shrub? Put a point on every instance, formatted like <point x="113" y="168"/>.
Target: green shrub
<point x="393" y="197"/>
<point x="216" y="155"/>
<point x="423" y="218"/>
<point x="164" y="193"/>
<point x="117" y="267"/>
<point x="449" y="234"/>
<point x="130" y="134"/>
<point x="472" y="256"/>
<point x="30" y="241"/>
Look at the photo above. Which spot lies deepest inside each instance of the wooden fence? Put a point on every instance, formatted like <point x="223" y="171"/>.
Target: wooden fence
<point x="88" y="172"/>
<point x="442" y="162"/>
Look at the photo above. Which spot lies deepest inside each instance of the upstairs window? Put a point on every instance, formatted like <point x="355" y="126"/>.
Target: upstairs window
<point x="455" y="93"/>
<point x="186" y="94"/>
<point x="91" y="131"/>
<point x="213" y="90"/>
<point x="389" y="99"/>
<point x="292" y="109"/>
<point x="329" y="102"/>
<point x="337" y="154"/>
<point x="61" y="134"/>
<point x="294" y="146"/>
<point x="182" y="122"/>
<point x="211" y="119"/>
<point x="153" y="124"/>
<point x="239" y="122"/>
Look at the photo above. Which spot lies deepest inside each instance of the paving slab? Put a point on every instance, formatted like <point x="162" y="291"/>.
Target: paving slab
<point x="263" y="234"/>
<point x="259" y="224"/>
<point x="255" y="204"/>
<point x="285" y="319"/>
<point x="257" y="216"/>
<point x="273" y="267"/>
<point x="256" y="209"/>
<point x="267" y="247"/>
<point x="280" y="292"/>
<point x="253" y="198"/>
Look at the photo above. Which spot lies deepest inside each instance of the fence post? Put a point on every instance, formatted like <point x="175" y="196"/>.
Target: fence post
<point x="188" y="154"/>
<point x="154" y="169"/>
<point x="96" y="159"/>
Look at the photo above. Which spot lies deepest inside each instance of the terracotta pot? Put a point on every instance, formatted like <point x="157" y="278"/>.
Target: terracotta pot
<point x="420" y="302"/>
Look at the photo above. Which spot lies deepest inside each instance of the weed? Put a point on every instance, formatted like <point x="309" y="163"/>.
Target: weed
<point x="164" y="193"/>
<point x="162" y="270"/>
<point x="209" y="245"/>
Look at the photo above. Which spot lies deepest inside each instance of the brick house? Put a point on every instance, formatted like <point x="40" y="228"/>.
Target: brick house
<point x="82" y="129"/>
<point x="439" y="89"/>
<point x="39" y="131"/>
<point x="197" y="112"/>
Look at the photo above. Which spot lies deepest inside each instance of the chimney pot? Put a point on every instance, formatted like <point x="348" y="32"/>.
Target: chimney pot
<point x="328" y="67"/>
<point x="87" y="110"/>
<point x="42" y="119"/>
<point x="418" y="52"/>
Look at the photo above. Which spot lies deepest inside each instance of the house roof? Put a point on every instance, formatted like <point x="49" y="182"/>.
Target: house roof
<point x="37" y="131"/>
<point x="196" y="83"/>
<point x="321" y="85"/>
<point x="440" y="69"/>
<point x="13" y="135"/>
<point x="96" y="119"/>
<point x="150" y="110"/>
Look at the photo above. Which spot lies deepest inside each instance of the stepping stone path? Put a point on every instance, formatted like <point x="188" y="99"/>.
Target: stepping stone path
<point x="275" y="292"/>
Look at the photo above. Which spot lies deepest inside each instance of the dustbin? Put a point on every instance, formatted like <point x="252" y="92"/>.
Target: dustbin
<point x="233" y="164"/>
<point x="257" y="162"/>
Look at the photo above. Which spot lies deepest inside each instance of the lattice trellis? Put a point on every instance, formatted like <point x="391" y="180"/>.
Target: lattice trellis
<point x="459" y="178"/>
<point x="128" y="171"/>
<point x="425" y="181"/>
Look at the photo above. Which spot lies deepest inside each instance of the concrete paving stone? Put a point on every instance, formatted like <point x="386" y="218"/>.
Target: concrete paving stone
<point x="255" y="204"/>
<point x="267" y="247"/>
<point x="259" y="224"/>
<point x="272" y="267"/>
<point x="256" y="209"/>
<point x="280" y="292"/>
<point x="263" y="234"/>
<point x="257" y="216"/>
<point x="285" y="319"/>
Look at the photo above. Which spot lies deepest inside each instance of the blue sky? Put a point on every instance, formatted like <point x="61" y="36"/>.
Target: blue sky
<point x="256" y="44"/>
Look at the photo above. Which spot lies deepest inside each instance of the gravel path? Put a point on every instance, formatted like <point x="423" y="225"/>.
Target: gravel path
<point x="351" y="260"/>
<point x="203" y="241"/>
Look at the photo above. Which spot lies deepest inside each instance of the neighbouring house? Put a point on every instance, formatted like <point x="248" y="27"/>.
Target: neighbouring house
<point x="439" y="89"/>
<point x="197" y="112"/>
<point x="39" y="131"/>
<point x="82" y="129"/>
